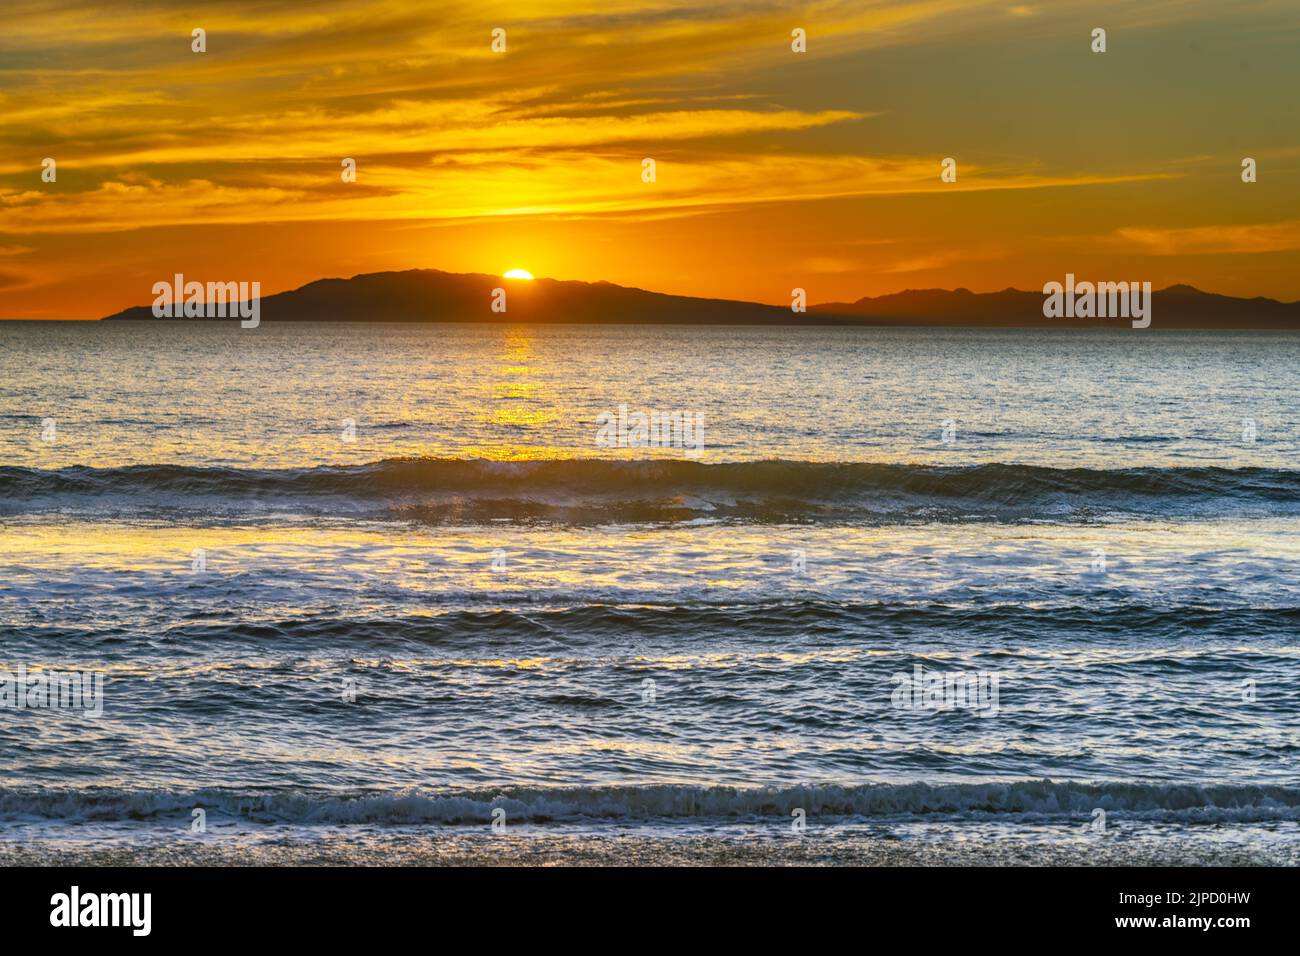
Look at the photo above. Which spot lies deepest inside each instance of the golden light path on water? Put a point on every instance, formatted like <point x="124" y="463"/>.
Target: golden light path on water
<point x="516" y="392"/>
<point x="401" y="565"/>
<point x="521" y="398"/>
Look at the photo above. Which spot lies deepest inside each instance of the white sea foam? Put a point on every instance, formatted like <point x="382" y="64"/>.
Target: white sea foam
<point x="1028" y="801"/>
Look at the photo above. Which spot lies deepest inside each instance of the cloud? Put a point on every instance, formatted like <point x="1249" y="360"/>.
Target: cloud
<point x="935" y="260"/>
<point x="147" y="132"/>
<point x="11" y="281"/>
<point x="1214" y="240"/>
<point x="423" y="129"/>
<point x="497" y="183"/>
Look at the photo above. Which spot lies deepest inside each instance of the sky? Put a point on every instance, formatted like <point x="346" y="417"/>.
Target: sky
<point x="773" y="169"/>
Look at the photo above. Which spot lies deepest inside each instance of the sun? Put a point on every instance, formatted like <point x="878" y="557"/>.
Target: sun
<point x="518" y="274"/>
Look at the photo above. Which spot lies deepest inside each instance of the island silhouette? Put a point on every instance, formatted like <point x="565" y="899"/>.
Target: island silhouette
<point x="430" y="295"/>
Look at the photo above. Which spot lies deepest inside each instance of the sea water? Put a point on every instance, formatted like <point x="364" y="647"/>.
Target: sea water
<point x="376" y="592"/>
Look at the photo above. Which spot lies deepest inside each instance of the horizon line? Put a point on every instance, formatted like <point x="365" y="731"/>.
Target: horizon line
<point x="699" y="298"/>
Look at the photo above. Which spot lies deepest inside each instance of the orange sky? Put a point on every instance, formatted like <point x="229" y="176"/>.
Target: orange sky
<point x="774" y="169"/>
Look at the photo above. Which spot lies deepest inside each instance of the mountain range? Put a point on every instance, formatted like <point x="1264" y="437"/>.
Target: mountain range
<point x="429" y="295"/>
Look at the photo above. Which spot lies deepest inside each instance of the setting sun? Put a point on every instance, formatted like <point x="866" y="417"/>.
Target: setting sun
<point x="518" y="274"/>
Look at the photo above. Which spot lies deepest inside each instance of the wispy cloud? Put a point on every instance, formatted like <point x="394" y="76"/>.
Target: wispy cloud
<point x="1214" y="240"/>
<point x="441" y="126"/>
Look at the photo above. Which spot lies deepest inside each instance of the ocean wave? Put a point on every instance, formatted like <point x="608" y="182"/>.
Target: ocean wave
<point x="782" y="623"/>
<point x="1030" y="801"/>
<point x="582" y="491"/>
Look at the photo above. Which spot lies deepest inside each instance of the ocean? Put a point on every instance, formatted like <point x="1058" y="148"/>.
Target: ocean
<point x="360" y="593"/>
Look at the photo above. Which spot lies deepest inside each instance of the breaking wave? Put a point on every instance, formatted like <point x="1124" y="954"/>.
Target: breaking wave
<point x="1037" y="801"/>
<point x="584" y="491"/>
